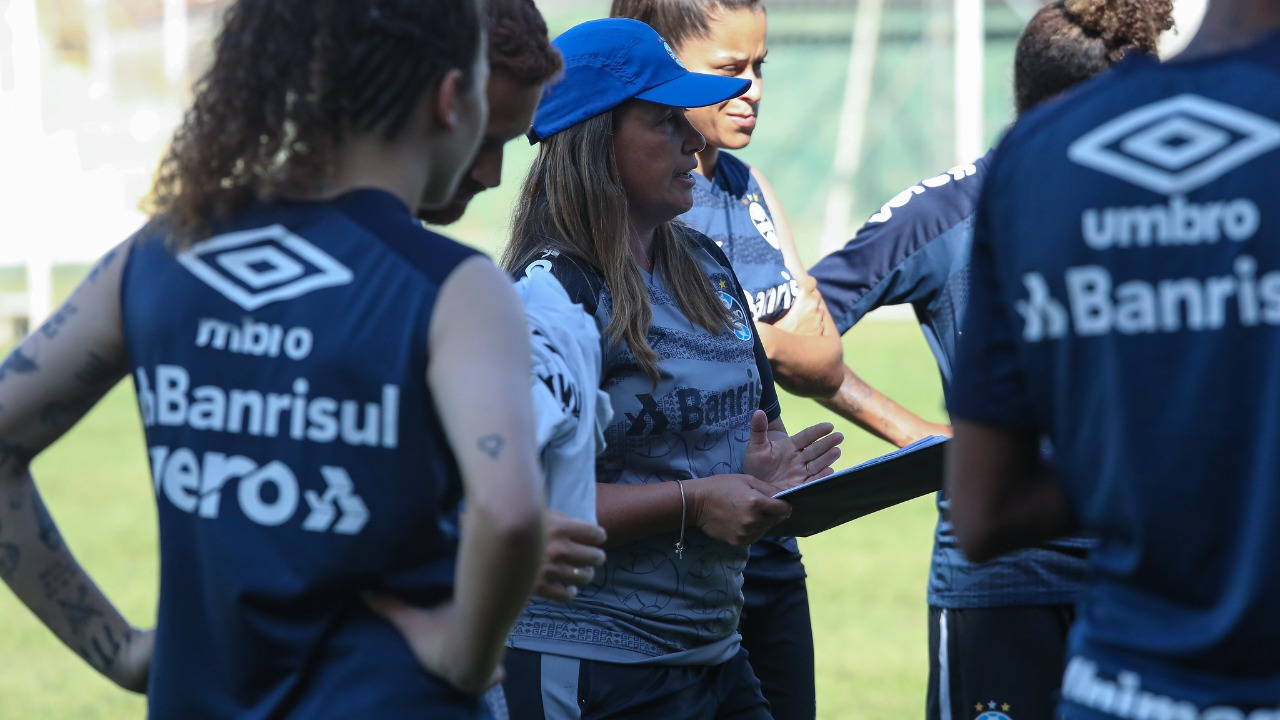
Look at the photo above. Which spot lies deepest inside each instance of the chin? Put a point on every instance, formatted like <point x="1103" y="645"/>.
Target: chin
<point x="736" y="140"/>
<point x="446" y="215"/>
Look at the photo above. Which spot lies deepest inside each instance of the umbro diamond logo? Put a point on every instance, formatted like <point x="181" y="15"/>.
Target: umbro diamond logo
<point x="1176" y="145"/>
<point x="253" y="268"/>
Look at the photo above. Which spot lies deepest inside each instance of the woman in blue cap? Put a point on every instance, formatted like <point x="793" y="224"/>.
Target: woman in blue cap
<point x="697" y="448"/>
<point x="736" y="207"/>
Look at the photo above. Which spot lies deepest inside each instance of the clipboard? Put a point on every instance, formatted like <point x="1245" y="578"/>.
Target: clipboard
<point x="904" y="474"/>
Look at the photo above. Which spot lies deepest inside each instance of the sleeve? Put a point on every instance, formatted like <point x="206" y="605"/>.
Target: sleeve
<point x="768" y="393"/>
<point x="989" y="385"/>
<point x="906" y="252"/>
<point x="580" y="281"/>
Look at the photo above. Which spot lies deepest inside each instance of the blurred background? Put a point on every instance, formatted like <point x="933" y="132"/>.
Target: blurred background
<point x="862" y="99"/>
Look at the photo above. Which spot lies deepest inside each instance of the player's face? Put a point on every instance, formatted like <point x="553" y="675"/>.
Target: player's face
<point x="455" y="149"/>
<point x="655" y="147"/>
<point x="734" y="47"/>
<point x="511" y="108"/>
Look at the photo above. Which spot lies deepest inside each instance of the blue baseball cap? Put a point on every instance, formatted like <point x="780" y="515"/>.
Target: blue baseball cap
<point x="608" y="62"/>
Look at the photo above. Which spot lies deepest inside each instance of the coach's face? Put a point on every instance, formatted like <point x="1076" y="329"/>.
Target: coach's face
<point x="655" y="147"/>
<point x="511" y="108"/>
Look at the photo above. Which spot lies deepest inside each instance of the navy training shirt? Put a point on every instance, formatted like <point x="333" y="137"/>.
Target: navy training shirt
<point x="297" y="459"/>
<point x="915" y="249"/>
<point x="1126" y="301"/>
<point x="730" y="209"/>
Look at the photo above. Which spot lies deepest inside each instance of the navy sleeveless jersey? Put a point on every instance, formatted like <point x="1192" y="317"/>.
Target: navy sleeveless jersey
<point x="646" y="605"/>
<point x="730" y="209"/>
<point x="915" y="250"/>
<point x="1126" y="301"/>
<point x="297" y="459"/>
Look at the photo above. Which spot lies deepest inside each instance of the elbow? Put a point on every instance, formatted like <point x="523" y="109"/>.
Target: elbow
<point x="513" y="524"/>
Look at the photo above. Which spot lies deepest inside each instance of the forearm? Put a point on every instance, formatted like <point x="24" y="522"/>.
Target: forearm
<point x="631" y="512"/>
<point x="804" y="365"/>
<point x="41" y="571"/>
<point x="1003" y="497"/>
<point x="878" y="414"/>
<point x="498" y="561"/>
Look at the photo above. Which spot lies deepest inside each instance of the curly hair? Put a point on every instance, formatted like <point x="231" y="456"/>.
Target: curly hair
<point x="679" y="21"/>
<point x="1070" y="41"/>
<point x="289" y="81"/>
<point x="518" y="44"/>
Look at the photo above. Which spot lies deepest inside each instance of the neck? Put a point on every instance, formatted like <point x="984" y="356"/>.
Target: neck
<point x="641" y="243"/>
<point x="367" y="161"/>
<point x="1232" y="25"/>
<point x="707" y="161"/>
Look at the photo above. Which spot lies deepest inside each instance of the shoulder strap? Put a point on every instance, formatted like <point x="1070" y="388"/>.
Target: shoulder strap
<point x="582" y="281"/>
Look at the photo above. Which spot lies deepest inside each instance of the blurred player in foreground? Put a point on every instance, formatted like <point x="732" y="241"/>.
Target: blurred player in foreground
<point x="1125" y="269"/>
<point x="997" y="630"/>
<point x="521" y="60"/>
<point x="320" y="381"/>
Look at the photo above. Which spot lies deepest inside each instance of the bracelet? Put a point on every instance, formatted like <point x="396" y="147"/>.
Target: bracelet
<point x="683" y="509"/>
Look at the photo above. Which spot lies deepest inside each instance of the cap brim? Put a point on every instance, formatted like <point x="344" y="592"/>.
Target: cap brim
<point x="696" y="90"/>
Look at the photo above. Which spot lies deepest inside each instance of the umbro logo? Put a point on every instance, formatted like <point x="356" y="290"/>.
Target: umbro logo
<point x="253" y="268"/>
<point x="1176" y="145"/>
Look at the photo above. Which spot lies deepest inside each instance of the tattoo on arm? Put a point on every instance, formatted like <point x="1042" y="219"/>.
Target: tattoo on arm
<point x="18" y="363"/>
<point x="103" y="264"/>
<point x="49" y="534"/>
<point x="15" y="456"/>
<point x="97" y="372"/>
<point x="80" y="610"/>
<point x="54" y="324"/>
<point x="491" y="445"/>
<point x="102" y="651"/>
<point x="97" y="375"/>
<point x="10" y="559"/>
<point x="57" y="577"/>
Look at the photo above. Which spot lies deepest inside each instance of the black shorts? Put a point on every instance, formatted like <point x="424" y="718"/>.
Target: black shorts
<point x="778" y="637"/>
<point x="552" y="687"/>
<point x="1006" y="662"/>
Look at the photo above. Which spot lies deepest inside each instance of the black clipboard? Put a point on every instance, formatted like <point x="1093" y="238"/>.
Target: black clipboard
<point x="881" y="482"/>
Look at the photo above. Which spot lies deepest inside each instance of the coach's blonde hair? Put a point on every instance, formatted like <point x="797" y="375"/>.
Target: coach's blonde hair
<point x="573" y="202"/>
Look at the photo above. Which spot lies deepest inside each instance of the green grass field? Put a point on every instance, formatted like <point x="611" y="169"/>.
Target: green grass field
<point x="867" y="578"/>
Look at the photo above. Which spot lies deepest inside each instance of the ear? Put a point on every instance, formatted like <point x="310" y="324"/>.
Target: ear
<point x="444" y="101"/>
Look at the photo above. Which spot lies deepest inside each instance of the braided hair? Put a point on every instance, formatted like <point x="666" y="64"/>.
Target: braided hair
<point x="1070" y="41"/>
<point x="290" y="80"/>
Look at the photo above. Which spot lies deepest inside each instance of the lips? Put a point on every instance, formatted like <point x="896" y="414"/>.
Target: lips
<point x="745" y="122"/>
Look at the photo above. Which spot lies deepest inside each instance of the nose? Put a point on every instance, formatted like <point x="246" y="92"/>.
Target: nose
<point x="694" y="142"/>
<point x="487" y="169"/>
<point x="755" y="90"/>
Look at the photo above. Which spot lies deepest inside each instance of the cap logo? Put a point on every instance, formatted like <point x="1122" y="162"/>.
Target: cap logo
<point x="672" y="53"/>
